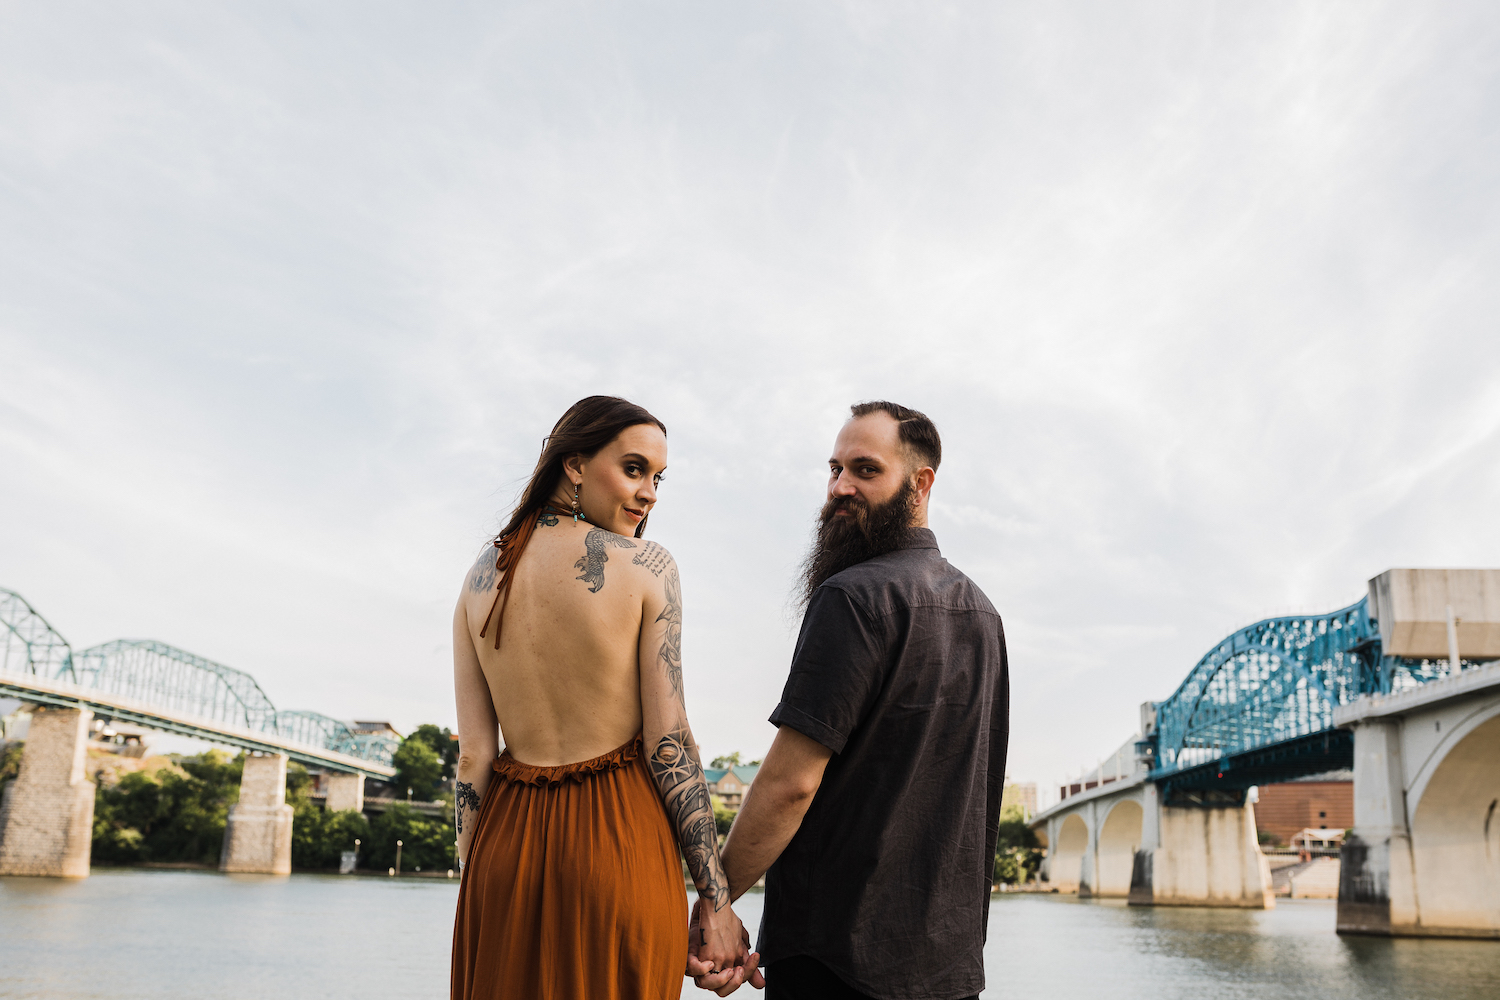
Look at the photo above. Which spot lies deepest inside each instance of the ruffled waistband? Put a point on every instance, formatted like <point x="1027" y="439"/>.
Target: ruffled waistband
<point x="513" y="770"/>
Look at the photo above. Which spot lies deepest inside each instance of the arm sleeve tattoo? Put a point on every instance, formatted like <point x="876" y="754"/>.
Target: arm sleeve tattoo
<point x="464" y="799"/>
<point x="670" y="653"/>
<point x="679" y="776"/>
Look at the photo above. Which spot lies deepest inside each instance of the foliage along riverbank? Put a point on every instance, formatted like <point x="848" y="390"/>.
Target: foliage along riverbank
<point x="174" y="809"/>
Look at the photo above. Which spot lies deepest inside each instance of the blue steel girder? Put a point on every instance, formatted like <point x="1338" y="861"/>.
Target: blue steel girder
<point x="1274" y="680"/>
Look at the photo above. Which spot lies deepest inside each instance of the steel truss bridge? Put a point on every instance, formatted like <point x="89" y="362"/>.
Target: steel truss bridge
<point x="158" y="686"/>
<point x="1258" y="707"/>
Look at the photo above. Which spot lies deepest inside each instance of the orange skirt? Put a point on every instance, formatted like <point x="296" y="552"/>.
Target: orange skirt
<point x="573" y="887"/>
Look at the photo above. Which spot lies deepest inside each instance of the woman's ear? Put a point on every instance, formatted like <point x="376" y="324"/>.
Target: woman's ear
<point x="573" y="469"/>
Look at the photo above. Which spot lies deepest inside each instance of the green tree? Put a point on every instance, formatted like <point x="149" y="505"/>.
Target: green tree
<point x="173" y="816"/>
<point x="728" y="760"/>
<point x="319" y="837"/>
<point x="723" y="816"/>
<point x="418" y="768"/>
<point x="1017" y="852"/>
<point x="442" y="743"/>
<point x="10" y="763"/>
<point x="427" y="841"/>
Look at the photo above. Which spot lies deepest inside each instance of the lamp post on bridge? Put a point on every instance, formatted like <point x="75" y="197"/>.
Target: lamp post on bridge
<point x="398" y="857"/>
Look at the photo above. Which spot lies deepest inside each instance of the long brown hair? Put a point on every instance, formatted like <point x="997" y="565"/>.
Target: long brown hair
<point x="589" y="425"/>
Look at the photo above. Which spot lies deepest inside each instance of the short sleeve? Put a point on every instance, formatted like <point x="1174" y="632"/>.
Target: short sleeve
<point x="837" y="671"/>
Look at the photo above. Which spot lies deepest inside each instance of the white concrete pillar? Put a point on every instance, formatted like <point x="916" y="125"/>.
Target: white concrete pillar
<point x="1088" y="878"/>
<point x="345" y="791"/>
<point x="1141" y="869"/>
<point x="1206" y="856"/>
<point x="1377" y="885"/>
<point x="258" y="835"/>
<point x="47" y="818"/>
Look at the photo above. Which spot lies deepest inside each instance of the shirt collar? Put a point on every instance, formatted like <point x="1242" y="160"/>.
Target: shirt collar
<point x="919" y="538"/>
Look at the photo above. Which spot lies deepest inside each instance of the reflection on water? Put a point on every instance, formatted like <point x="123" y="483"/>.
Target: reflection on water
<point x="163" y="935"/>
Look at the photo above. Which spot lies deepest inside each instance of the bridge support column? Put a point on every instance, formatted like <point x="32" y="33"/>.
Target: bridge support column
<point x="1377" y="883"/>
<point x="258" y="835"/>
<point x="1088" y="875"/>
<point x="47" y="818"/>
<point x="1204" y="856"/>
<point x="345" y="791"/>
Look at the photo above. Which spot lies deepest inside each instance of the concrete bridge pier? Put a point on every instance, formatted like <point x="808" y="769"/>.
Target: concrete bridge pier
<point x="1423" y="858"/>
<point x="1377" y="890"/>
<point x="1204" y="855"/>
<point x="47" y="817"/>
<point x="345" y="791"/>
<point x="258" y="835"/>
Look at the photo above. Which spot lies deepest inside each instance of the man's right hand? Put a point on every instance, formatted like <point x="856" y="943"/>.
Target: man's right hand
<point x="719" y="955"/>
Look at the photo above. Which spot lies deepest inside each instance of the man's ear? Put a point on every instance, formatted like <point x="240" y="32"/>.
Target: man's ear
<point x="924" y="478"/>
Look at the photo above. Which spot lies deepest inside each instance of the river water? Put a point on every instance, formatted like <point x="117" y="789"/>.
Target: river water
<point x="173" y="935"/>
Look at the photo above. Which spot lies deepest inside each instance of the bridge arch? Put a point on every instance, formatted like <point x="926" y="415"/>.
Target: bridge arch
<point x="1065" y="866"/>
<point x="1454" y="732"/>
<point x="1271" y="681"/>
<point x="1119" y="839"/>
<point x="178" y="681"/>
<point x="1455" y="831"/>
<point x="28" y="643"/>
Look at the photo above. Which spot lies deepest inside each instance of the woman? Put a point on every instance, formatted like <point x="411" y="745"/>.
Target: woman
<point x="567" y="639"/>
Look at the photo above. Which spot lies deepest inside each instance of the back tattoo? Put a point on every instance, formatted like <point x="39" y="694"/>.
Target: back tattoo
<point x="594" y="556"/>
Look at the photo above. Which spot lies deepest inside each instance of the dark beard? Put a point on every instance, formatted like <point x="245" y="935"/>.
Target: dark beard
<point x="848" y="541"/>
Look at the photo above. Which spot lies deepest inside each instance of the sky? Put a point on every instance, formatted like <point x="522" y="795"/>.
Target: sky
<point x="1195" y="292"/>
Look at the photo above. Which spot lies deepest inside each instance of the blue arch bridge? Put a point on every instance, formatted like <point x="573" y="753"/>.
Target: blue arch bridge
<point x="46" y="813"/>
<point x="1402" y="687"/>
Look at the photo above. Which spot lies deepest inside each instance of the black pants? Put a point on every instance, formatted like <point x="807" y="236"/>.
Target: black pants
<point x="804" y="978"/>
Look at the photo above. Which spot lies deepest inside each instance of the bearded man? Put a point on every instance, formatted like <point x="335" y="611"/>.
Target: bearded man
<point x="877" y="807"/>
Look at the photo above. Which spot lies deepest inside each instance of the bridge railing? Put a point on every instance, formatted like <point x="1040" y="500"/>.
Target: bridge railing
<point x="1122" y="765"/>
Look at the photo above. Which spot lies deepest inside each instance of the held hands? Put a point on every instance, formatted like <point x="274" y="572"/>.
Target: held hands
<point x="717" y="940"/>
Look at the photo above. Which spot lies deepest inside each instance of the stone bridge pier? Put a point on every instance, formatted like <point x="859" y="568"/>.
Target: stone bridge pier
<point x="345" y="792"/>
<point x="47" y="816"/>
<point x="258" y="834"/>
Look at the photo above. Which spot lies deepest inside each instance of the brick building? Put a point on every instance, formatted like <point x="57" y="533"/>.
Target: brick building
<point x="1318" y="802"/>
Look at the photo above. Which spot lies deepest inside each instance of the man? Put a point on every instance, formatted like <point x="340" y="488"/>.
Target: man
<point x="877" y="806"/>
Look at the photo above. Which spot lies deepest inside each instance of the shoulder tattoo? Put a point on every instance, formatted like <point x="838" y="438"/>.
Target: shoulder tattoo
<point x="653" y="557"/>
<point x="482" y="574"/>
<point x="594" y="557"/>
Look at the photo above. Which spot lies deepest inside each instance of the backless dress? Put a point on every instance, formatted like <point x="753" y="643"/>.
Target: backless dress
<point x="573" y="887"/>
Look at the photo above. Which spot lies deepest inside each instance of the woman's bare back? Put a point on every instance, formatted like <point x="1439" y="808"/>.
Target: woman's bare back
<point x="565" y="681"/>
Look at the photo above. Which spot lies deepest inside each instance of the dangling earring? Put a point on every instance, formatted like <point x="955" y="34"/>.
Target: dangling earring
<point x="576" y="512"/>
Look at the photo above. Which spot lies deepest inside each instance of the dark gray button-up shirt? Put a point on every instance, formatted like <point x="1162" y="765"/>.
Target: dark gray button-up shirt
<point x="900" y="670"/>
